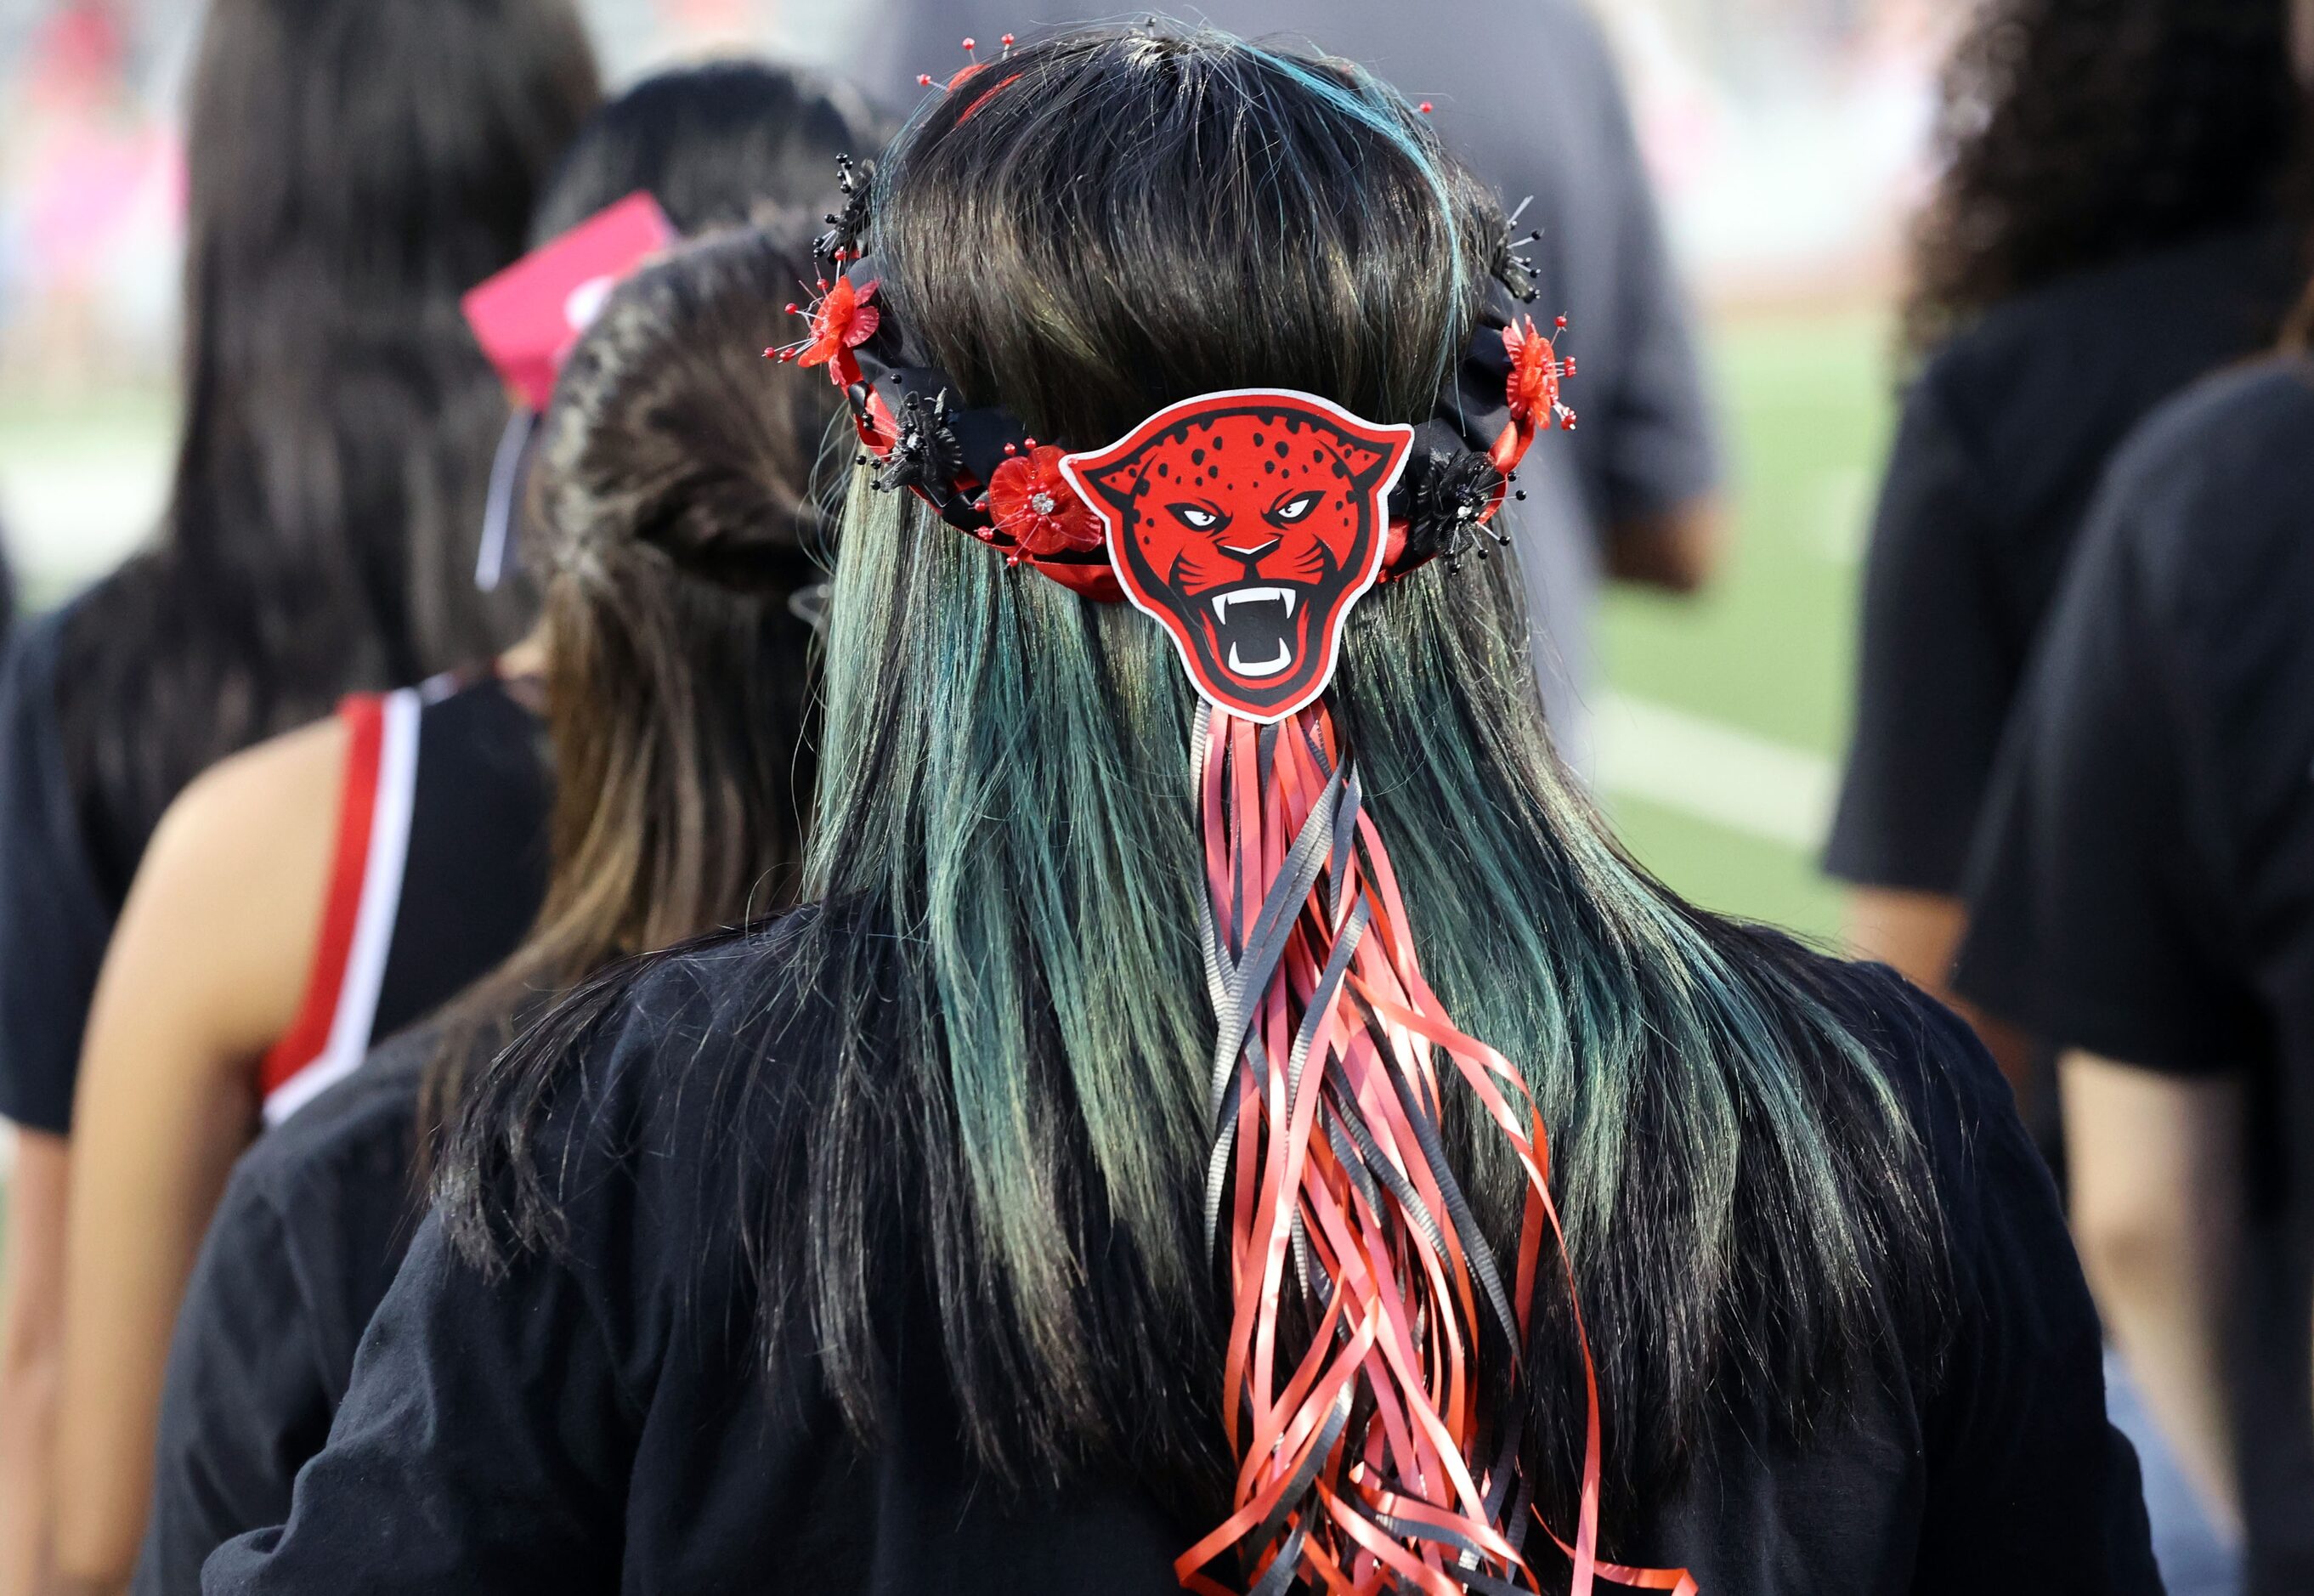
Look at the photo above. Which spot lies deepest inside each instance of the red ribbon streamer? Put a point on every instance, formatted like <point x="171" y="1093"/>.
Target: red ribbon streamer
<point x="1365" y="1462"/>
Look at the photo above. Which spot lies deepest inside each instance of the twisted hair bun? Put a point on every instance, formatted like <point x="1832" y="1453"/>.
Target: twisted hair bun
<point x="670" y="437"/>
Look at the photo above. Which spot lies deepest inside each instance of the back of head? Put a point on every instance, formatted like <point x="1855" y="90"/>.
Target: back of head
<point x="1373" y="248"/>
<point x="353" y="169"/>
<point x="673" y="515"/>
<point x="1102" y="224"/>
<point x="668" y="520"/>
<point x="673" y="521"/>
<point x="2076" y="133"/>
<point x="718" y="144"/>
<point x="722" y="144"/>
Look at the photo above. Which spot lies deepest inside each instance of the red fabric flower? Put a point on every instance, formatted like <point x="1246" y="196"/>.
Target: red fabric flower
<point x="842" y="320"/>
<point x="1033" y="505"/>
<point x="1533" y="389"/>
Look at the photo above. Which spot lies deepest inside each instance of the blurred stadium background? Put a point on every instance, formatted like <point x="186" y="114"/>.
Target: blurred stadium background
<point x="1790" y="136"/>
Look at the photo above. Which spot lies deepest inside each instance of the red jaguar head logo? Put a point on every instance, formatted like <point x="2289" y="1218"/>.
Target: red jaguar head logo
<point x="1247" y="524"/>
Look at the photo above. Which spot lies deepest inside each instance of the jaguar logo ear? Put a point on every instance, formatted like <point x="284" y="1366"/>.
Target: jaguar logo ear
<point x="1117" y="483"/>
<point x="1367" y="462"/>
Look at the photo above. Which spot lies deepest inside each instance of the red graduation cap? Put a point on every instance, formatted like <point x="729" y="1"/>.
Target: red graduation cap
<point x="527" y="316"/>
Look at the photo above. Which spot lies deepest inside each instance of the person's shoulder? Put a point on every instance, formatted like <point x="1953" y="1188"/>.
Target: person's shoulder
<point x="703" y="980"/>
<point x="2245" y="412"/>
<point x="2214" y="488"/>
<point x="365" y="1121"/>
<point x="1949" y="1087"/>
<point x="641" y="1034"/>
<point x="36" y="682"/>
<point x="652" y="1086"/>
<point x="2088" y="353"/>
<point x="28" y="668"/>
<point x="269" y="780"/>
<point x="254" y="829"/>
<point x="2220" y="288"/>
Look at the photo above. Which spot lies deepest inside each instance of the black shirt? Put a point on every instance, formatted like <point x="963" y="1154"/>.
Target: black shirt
<point x="2003" y="439"/>
<point x="312" y="1227"/>
<point x="473" y="874"/>
<point x="603" y="1423"/>
<point x="2144" y="885"/>
<point x="56" y="916"/>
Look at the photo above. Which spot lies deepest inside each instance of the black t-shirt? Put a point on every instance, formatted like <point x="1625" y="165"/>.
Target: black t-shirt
<point x="312" y="1227"/>
<point x="2144" y="887"/>
<point x="604" y="1422"/>
<point x="56" y="916"/>
<point x="2144" y="884"/>
<point x="2003" y="439"/>
<point x="472" y="871"/>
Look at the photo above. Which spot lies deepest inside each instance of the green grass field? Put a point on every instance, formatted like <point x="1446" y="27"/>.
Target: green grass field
<point x="1768" y="650"/>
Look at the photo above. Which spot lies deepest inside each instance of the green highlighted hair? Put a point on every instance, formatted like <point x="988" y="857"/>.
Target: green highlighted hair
<point x="981" y="1062"/>
<point x="1131" y="218"/>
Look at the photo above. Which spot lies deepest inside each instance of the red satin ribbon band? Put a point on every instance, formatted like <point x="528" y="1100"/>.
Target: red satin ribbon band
<point x="1362" y="1442"/>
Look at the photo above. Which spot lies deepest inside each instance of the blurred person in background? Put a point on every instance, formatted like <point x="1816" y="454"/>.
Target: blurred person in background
<point x="353" y="168"/>
<point x="675" y="524"/>
<point x="868" y="1250"/>
<point x="2123" y="207"/>
<point x="86" y="165"/>
<point x="236" y="978"/>
<point x="2142" y="896"/>
<point x="1540" y="115"/>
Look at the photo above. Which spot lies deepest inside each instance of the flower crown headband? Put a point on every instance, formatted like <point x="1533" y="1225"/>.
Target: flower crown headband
<point x="980" y="468"/>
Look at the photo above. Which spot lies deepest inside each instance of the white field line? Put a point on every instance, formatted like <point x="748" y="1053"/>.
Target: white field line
<point x="1710" y="771"/>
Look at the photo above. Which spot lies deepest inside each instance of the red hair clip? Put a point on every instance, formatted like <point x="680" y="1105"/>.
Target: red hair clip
<point x="527" y="317"/>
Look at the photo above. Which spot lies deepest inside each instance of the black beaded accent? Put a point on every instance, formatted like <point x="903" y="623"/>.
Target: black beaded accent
<point x="1514" y="269"/>
<point x="847" y="227"/>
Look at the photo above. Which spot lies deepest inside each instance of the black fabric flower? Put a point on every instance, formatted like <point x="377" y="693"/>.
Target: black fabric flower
<point x="1447" y="512"/>
<point x="926" y="456"/>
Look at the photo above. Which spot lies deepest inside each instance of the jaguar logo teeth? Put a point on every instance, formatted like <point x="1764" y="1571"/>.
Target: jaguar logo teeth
<point x="1223" y="601"/>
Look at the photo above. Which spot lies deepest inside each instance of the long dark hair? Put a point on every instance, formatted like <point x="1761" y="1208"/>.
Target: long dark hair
<point x="674" y="525"/>
<point x="977" y="1070"/>
<point x="674" y="517"/>
<point x="355" y="168"/>
<point x="2079" y="132"/>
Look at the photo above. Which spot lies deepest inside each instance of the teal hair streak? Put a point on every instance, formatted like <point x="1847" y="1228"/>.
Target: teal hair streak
<point x="1025" y="828"/>
<point x="1370" y="104"/>
<point x="1613" y="995"/>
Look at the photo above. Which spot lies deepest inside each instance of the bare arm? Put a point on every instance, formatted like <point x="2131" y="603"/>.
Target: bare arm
<point x="31" y="1347"/>
<point x="205" y="971"/>
<point x="2155" y="1163"/>
<point x="1677" y="550"/>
